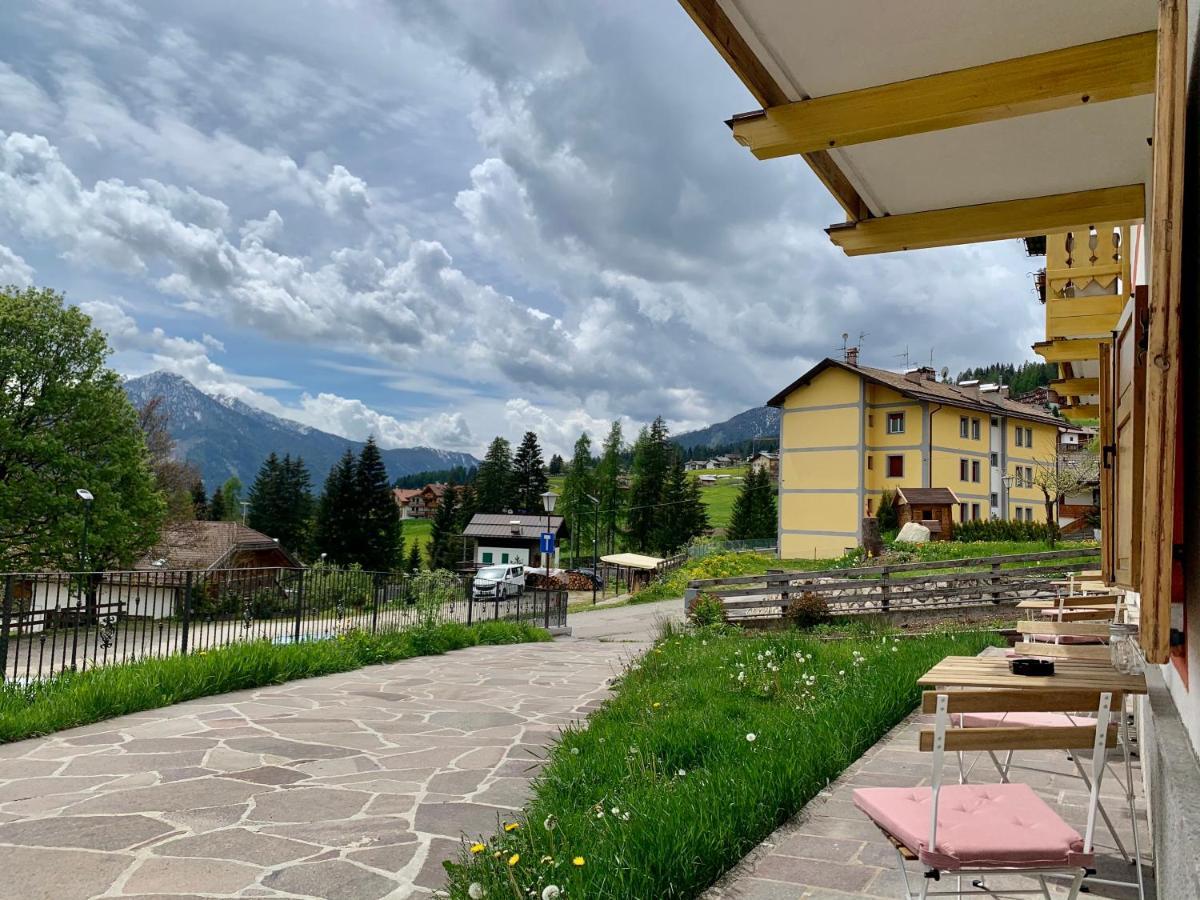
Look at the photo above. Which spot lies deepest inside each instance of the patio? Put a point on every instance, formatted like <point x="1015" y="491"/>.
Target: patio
<point x="830" y="849"/>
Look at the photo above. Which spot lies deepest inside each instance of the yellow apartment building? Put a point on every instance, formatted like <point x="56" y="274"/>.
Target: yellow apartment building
<point x="849" y="432"/>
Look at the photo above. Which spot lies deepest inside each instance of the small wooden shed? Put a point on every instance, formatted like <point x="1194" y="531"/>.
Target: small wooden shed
<point x="931" y="507"/>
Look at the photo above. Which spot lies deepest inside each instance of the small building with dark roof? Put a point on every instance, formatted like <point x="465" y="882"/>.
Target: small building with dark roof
<point x="513" y="538"/>
<point x="931" y="507"/>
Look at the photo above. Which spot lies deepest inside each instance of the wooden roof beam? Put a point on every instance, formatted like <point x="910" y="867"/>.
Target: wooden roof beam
<point x="990" y="221"/>
<point x="1076" y="387"/>
<point x="723" y="34"/>
<point x="1073" y="76"/>
<point x="1063" y="350"/>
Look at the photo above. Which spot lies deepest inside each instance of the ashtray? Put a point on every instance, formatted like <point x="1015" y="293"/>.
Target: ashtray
<point x="1031" y="665"/>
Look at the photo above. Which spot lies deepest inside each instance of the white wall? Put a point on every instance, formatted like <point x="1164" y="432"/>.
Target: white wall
<point x="515" y="555"/>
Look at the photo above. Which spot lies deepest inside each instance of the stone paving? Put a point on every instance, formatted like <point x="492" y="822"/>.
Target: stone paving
<point x="831" y="850"/>
<point x="347" y="787"/>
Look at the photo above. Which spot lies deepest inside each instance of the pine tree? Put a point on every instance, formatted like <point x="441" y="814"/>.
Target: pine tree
<point x="528" y="475"/>
<point x="681" y="515"/>
<point x="414" y="558"/>
<point x="231" y="492"/>
<point x="468" y="505"/>
<point x="556" y="465"/>
<point x="337" y="525"/>
<point x="754" y="510"/>
<point x="648" y="474"/>
<point x="442" y="532"/>
<point x="281" y="502"/>
<point x="608" y="486"/>
<point x="199" y="500"/>
<point x="576" y="508"/>
<point x="216" y="507"/>
<point x="494" y="478"/>
<point x="381" y="545"/>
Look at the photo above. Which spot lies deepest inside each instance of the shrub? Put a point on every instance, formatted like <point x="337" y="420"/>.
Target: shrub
<point x="706" y="610"/>
<point x="807" y="610"/>
<point x="888" y="515"/>
<point x="1000" y="530"/>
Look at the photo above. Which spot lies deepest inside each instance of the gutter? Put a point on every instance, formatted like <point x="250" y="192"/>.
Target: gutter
<point x="929" y="444"/>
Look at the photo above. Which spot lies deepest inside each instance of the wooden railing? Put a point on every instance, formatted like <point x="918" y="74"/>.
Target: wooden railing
<point x="873" y="589"/>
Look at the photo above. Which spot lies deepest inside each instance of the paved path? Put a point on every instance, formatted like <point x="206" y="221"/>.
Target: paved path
<point x="351" y="786"/>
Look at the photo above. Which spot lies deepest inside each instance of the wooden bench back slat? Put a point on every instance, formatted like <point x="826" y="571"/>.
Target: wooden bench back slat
<point x="1097" y="652"/>
<point x="1090" y="629"/>
<point x="1067" y="700"/>
<point x="1080" y="737"/>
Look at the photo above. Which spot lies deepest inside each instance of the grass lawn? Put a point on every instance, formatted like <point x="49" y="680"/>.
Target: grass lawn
<point x="418" y="530"/>
<point x="710" y="742"/>
<point x="96" y="694"/>
<point x="718" y="498"/>
<point x="727" y="565"/>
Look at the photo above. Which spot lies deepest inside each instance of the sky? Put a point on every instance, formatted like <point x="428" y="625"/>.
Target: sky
<point x="436" y="222"/>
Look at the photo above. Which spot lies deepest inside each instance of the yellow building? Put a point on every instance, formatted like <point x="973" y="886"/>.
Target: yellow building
<point x="848" y="432"/>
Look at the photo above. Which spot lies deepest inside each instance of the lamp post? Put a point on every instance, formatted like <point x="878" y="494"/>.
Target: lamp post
<point x="1008" y="481"/>
<point x="85" y="496"/>
<point x="595" y="545"/>
<point x="548" y="500"/>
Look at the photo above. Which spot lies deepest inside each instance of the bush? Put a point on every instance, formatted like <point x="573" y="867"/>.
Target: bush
<point x="1001" y="530"/>
<point x="807" y="610"/>
<point x="706" y="610"/>
<point x="888" y="515"/>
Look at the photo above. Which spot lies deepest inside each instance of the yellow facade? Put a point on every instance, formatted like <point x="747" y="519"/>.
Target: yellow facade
<point x="845" y="439"/>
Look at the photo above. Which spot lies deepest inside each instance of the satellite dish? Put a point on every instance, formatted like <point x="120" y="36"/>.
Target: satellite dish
<point x="945" y="373"/>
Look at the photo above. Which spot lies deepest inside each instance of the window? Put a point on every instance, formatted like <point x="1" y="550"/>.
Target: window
<point x="995" y="422"/>
<point x="503" y="557"/>
<point x="870" y="506"/>
<point x="976" y="429"/>
<point x="975" y="470"/>
<point x="486" y="557"/>
<point x="895" y="423"/>
<point x="895" y="467"/>
<point x="870" y="420"/>
<point x="1020" y="436"/>
<point x="964" y="427"/>
<point x="1029" y="476"/>
<point x="995" y="500"/>
<point x="995" y="460"/>
<point x="975" y="511"/>
<point x="870" y="462"/>
<point x="1028" y="437"/>
<point x="963" y="470"/>
<point x="962" y="512"/>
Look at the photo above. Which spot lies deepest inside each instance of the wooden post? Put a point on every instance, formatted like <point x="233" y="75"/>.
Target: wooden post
<point x="885" y="593"/>
<point x="994" y="581"/>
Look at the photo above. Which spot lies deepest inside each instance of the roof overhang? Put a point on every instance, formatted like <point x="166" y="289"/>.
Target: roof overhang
<point x="937" y="122"/>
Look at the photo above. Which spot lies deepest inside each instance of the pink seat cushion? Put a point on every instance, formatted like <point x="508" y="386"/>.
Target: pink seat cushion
<point x="1056" y="612"/>
<point x="979" y="826"/>
<point x="1022" y="720"/>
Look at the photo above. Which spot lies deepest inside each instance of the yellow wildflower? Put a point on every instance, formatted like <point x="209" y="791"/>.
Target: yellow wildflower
<point x="577" y="861"/>
<point x="514" y="859"/>
<point x="511" y="826"/>
<point x="657" y="705"/>
<point x="477" y="848"/>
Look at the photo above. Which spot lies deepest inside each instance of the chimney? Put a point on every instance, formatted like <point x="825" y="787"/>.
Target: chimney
<point x="514" y="525"/>
<point x="921" y="373"/>
<point x="1004" y="391"/>
<point x="852" y="356"/>
<point x="970" y="388"/>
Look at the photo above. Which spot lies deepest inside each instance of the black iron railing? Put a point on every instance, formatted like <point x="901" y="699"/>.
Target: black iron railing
<point x="51" y="622"/>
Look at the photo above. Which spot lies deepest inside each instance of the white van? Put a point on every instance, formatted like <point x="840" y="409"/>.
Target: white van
<point x="499" y="582"/>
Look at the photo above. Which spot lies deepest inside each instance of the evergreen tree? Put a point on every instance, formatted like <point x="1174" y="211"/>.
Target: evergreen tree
<point x="414" y="558"/>
<point x="575" y="506"/>
<point x="232" y="491"/>
<point x="442" y="532"/>
<point x="199" y="500"/>
<point x="216" y="507"/>
<point x="381" y="545"/>
<point x="528" y="475"/>
<point x="651" y="463"/>
<point x="281" y="502"/>
<point x="337" y="526"/>
<point x="468" y="505"/>
<point x="607" y="482"/>
<point x="754" y="510"/>
<point x="681" y="515"/>
<point x="494" y="478"/>
<point x="556" y="464"/>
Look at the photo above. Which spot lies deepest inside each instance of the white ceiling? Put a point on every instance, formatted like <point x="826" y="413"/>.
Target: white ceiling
<point x="820" y="47"/>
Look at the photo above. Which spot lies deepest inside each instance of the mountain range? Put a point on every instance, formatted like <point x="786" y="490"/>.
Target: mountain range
<point x="761" y="421"/>
<point x="223" y="436"/>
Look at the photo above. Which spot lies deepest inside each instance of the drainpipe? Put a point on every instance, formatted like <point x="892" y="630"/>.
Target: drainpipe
<point x="929" y="443"/>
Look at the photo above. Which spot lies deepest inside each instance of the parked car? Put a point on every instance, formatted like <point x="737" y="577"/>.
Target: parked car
<point x="499" y="582"/>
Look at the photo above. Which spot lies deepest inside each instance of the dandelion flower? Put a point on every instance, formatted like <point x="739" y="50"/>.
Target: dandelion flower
<point x="841" y="671"/>
<point x="511" y="826"/>
<point x="682" y="772"/>
<point x="616" y="810"/>
<point x="476" y="891"/>
<point x="477" y="848"/>
<point x="551" y="892"/>
<point x="514" y="859"/>
<point x="546" y="859"/>
<point x="550" y="822"/>
<point x="577" y="861"/>
<point x="574" y="751"/>
<point x="657" y="705"/>
<point x="752" y="737"/>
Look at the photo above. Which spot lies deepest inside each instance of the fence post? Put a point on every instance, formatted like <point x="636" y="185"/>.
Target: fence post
<point x="185" y="625"/>
<point x="785" y="598"/>
<point x="994" y="581"/>
<point x="470" y="584"/>
<point x="375" y="607"/>
<point x="299" y="606"/>
<point x="885" y="584"/>
<point x="689" y="597"/>
<point x="548" y="608"/>
<point x="5" y="621"/>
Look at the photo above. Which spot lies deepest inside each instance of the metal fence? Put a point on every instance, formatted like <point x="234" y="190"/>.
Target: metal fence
<point x="72" y="621"/>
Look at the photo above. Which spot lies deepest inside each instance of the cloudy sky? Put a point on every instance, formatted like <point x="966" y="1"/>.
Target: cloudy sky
<point x="440" y="221"/>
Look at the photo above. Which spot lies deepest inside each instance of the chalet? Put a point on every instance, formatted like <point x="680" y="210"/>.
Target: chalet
<point x="403" y="498"/>
<point x="203" y="545"/>
<point x="765" y="460"/>
<point x="424" y="503"/>
<point x="509" y="538"/>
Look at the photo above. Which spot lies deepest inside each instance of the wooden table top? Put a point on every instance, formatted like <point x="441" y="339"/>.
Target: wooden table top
<point x="1069" y="674"/>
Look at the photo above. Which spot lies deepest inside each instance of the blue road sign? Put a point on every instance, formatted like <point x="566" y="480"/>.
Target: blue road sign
<point x="547" y="545"/>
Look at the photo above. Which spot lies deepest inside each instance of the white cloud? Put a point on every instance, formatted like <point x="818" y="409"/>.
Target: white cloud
<point x="13" y="269"/>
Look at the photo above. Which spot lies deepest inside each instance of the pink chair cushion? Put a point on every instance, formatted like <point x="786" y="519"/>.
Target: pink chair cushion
<point x="979" y="826"/>
<point x="1022" y="720"/>
<point x="1056" y="612"/>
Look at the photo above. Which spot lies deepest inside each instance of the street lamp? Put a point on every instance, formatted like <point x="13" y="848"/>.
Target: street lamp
<point x="1008" y="483"/>
<point x="86" y="498"/>
<point x="595" y="545"/>
<point x="548" y="500"/>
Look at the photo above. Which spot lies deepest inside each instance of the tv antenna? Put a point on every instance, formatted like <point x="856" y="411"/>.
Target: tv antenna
<point x="904" y="356"/>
